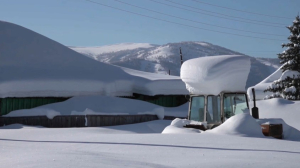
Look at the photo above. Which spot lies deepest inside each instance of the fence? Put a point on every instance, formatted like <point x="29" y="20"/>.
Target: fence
<point x="77" y="120"/>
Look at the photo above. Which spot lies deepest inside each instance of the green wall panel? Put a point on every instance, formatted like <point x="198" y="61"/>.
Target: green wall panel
<point x="162" y="100"/>
<point x="10" y="104"/>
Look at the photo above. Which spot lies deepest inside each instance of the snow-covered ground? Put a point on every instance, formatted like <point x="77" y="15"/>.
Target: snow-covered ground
<point x="118" y="146"/>
<point x="237" y="143"/>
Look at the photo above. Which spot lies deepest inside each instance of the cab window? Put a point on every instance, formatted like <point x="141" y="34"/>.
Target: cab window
<point x="197" y="108"/>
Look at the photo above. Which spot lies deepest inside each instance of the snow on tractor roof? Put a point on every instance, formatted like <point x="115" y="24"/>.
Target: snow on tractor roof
<point x="212" y="75"/>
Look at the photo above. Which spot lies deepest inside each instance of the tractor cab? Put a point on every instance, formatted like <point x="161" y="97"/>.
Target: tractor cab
<point x="215" y="109"/>
<point x="217" y="87"/>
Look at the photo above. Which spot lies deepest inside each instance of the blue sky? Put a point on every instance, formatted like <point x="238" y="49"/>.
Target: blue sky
<point x="83" y="23"/>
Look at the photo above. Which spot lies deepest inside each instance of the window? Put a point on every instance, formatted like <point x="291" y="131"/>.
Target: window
<point x="213" y="114"/>
<point x="197" y="108"/>
<point x="234" y="104"/>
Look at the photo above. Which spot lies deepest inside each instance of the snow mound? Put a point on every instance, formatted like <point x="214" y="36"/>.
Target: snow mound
<point x="240" y="125"/>
<point x="35" y="66"/>
<point x="177" y="127"/>
<point x="92" y="105"/>
<point x="212" y="75"/>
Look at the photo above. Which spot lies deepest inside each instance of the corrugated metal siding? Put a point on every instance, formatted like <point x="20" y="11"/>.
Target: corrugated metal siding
<point x="10" y="104"/>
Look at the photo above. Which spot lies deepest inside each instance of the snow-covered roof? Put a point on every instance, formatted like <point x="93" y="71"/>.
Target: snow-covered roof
<point x="33" y="65"/>
<point x="212" y="75"/>
<point x="263" y="85"/>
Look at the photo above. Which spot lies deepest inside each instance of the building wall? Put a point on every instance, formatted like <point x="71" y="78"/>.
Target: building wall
<point x="12" y="103"/>
<point x="163" y="100"/>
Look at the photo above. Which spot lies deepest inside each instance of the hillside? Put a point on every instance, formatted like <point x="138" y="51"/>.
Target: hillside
<point x="162" y="58"/>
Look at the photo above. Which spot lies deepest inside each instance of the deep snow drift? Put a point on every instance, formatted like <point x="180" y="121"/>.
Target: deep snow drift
<point x="212" y="75"/>
<point x="242" y="125"/>
<point x="34" y="66"/>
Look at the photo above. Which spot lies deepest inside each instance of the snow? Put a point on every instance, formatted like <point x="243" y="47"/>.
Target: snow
<point x="289" y="73"/>
<point x="111" y="48"/>
<point x="162" y="58"/>
<point x="279" y="108"/>
<point x="156" y="84"/>
<point x="119" y="146"/>
<point x="290" y="89"/>
<point x="239" y="125"/>
<point x="34" y="66"/>
<point x="263" y="85"/>
<point x="285" y="112"/>
<point x="180" y="111"/>
<point x="93" y="105"/>
<point x="268" y="83"/>
<point x="237" y="143"/>
<point x="269" y="63"/>
<point x="177" y="127"/>
<point x="212" y="75"/>
<point x="203" y="44"/>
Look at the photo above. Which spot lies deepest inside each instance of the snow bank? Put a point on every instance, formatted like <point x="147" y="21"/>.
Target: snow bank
<point x="240" y="125"/>
<point x="289" y="133"/>
<point x="212" y="75"/>
<point x="263" y="85"/>
<point x="177" y="127"/>
<point x="35" y="66"/>
<point x="93" y="105"/>
<point x="278" y="108"/>
<point x="267" y="83"/>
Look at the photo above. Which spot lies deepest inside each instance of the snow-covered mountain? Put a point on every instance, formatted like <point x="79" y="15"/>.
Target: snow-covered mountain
<point x="162" y="58"/>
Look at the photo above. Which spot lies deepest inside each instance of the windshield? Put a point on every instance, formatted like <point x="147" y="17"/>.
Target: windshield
<point x="234" y="104"/>
<point x="213" y="114"/>
<point x="197" y="108"/>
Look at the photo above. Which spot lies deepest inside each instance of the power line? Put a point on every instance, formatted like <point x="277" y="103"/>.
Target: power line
<point x="215" y="15"/>
<point x="223" y="14"/>
<point x="195" y="20"/>
<point x="98" y="3"/>
<point x="260" y="51"/>
<point x="241" y="10"/>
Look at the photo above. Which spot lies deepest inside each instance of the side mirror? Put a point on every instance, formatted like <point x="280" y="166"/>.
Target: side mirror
<point x="187" y="97"/>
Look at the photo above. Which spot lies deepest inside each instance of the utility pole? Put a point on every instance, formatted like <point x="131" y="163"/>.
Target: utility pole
<point x="181" y="56"/>
<point x="169" y="72"/>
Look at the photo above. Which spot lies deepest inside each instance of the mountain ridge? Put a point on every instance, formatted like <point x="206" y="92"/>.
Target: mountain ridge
<point x="164" y="58"/>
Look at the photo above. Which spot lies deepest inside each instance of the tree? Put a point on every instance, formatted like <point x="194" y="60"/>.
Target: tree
<point x="288" y="85"/>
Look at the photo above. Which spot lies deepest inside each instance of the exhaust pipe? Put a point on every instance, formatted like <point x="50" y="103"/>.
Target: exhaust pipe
<point x="254" y="109"/>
